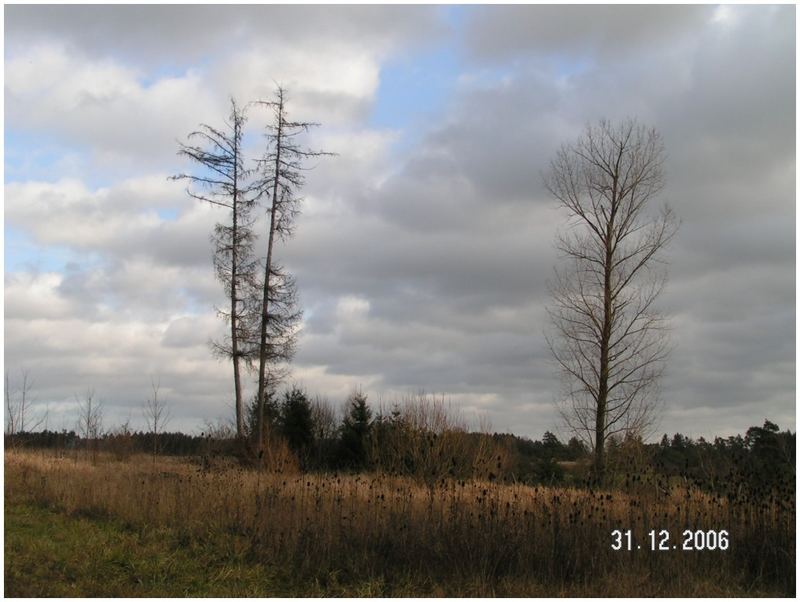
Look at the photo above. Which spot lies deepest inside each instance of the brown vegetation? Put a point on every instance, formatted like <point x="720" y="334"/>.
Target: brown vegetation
<point x="457" y="537"/>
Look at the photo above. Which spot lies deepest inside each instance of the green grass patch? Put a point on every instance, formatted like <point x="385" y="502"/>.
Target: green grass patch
<point x="50" y="554"/>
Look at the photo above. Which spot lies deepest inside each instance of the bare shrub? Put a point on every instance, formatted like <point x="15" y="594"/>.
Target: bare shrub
<point x="119" y="442"/>
<point x="427" y="438"/>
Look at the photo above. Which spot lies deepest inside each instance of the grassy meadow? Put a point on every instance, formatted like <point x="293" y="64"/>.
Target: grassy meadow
<point x="81" y="526"/>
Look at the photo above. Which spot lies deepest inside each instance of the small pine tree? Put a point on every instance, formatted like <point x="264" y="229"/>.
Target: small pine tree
<point x="576" y="449"/>
<point x="296" y="422"/>
<point x="355" y="431"/>
<point x="550" y="441"/>
<point x="271" y="413"/>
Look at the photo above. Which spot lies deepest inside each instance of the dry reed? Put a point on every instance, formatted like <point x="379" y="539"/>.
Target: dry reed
<point x="393" y="528"/>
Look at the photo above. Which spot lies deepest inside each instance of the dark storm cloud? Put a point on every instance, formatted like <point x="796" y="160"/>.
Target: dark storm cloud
<point x="574" y="31"/>
<point x="178" y="34"/>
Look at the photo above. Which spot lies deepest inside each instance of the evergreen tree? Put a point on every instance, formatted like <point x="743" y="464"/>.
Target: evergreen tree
<point x="576" y="449"/>
<point x="296" y="421"/>
<point x="271" y="413"/>
<point x="355" y="431"/>
<point x="550" y="441"/>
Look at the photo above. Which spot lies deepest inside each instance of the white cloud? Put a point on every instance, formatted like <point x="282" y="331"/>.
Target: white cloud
<point x="102" y="105"/>
<point x="33" y="296"/>
<point x="333" y="84"/>
<point x="423" y="266"/>
<point x="126" y="122"/>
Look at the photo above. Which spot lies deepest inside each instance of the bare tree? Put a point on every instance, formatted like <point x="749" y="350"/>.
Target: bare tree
<point x="282" y="176"/>
<point x="325" y="417"/>
<point x="90" y="420"/>
<point x="19" y="418"/>
<point x="608" y="337"/>
<point x="156" y="415"/>
<point x="224" y="184"/>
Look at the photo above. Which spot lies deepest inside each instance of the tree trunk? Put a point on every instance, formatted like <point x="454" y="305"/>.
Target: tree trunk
<point x="267" y="270"/>
<point x="605" y="342"/>
<point x="237" y="383"/>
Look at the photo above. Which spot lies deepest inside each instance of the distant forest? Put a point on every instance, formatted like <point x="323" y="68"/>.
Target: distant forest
<point x="760" y="462"/>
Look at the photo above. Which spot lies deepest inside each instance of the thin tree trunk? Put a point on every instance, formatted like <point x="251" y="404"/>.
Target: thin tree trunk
<point x="262" y="364"/>
<point x="602" y="391"/>
<point x="605" y="342"/>
<point x="237" y="383"/>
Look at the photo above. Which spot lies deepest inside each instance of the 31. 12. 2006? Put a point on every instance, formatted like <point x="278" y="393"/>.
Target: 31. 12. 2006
<point x="662" y="541"/>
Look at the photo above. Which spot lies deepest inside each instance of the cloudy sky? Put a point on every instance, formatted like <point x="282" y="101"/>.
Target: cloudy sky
<point x="425" y="247"/>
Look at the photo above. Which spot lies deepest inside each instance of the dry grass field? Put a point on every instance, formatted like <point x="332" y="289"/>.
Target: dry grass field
<point x="370" y="534"/>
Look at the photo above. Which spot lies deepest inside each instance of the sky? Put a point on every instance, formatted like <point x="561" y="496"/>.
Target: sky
<point x="425" y="248"/>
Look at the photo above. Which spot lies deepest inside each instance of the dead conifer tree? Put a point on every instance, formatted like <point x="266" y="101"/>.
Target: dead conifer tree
<point x="281" y="177"/>
<point x="224" y="183"/>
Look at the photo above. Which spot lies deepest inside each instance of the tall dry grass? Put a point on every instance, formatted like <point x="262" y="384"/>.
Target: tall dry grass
<point x="498" y="538"/>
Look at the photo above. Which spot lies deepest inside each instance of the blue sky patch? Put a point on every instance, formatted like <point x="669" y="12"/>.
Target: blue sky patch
<point x="23" y="254"/>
